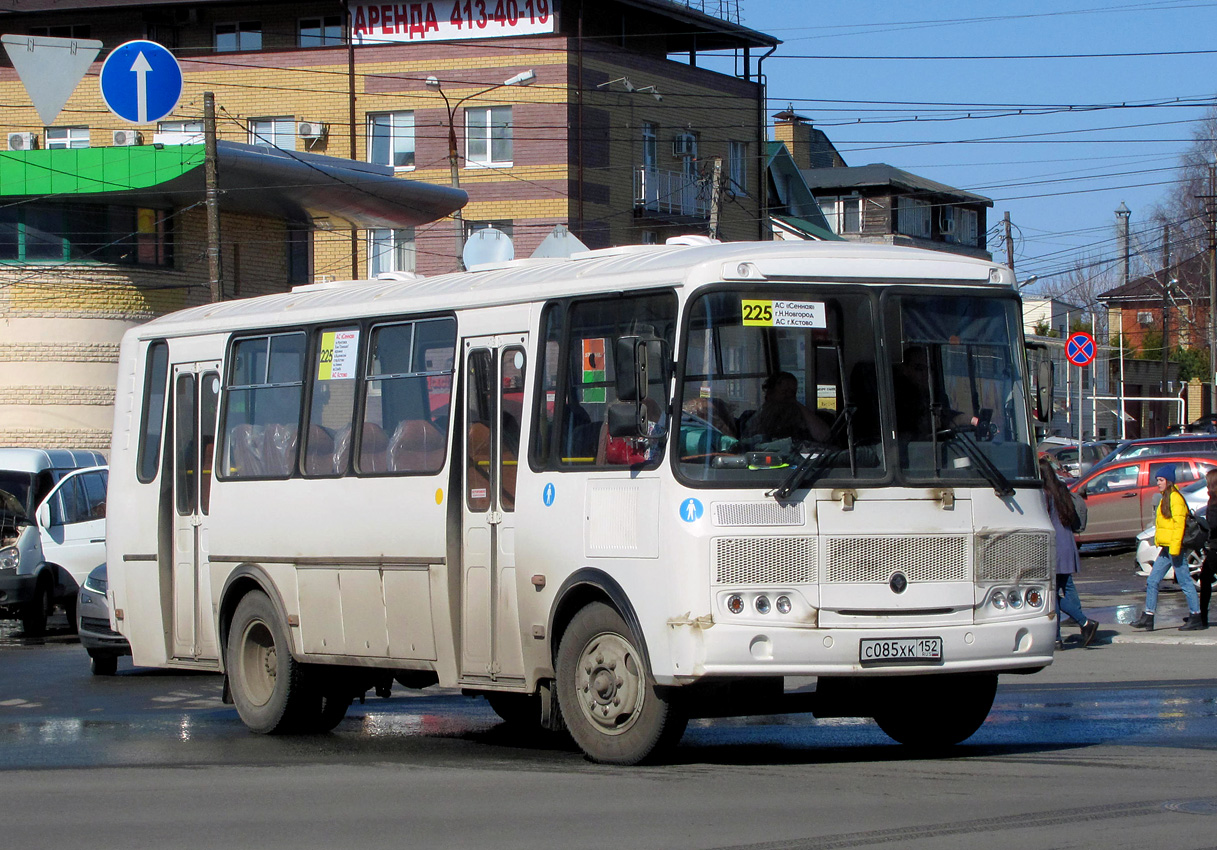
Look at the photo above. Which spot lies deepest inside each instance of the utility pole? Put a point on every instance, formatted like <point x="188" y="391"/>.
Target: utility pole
<point x="349" y="31"/>
<point x="1166" y="303"/>
<point x="1212" y="288"/>
<point x="211" y="182"/>
<point x="1122" y="215"/>
<point x="716" y="194"/>
<point x="1009" y="243"/>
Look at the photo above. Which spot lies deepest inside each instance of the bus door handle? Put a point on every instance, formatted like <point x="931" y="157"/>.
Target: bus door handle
<point x="494" y="517"/>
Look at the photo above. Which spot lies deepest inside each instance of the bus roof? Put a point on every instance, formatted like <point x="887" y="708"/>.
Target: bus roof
<point x="609" y="270"/>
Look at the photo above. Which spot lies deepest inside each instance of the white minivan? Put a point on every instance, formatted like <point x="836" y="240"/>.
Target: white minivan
<point x="52" y="530"/>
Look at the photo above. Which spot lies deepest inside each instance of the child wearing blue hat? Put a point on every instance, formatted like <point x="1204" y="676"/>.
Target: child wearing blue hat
<point x="1170" y="518"/>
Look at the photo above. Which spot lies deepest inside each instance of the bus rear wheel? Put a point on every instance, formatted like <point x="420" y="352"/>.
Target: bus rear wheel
<point x="268" y="684"/>
<point x="607" y="694"/>
<point x="934" y="712"/>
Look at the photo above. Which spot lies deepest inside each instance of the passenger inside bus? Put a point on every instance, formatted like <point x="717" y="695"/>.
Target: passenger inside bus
<point x="920" y="410"/>
<point x="782" y="415"/>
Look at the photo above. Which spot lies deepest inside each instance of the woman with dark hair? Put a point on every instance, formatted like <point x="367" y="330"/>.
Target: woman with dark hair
<point x="1170" y="518"/>
<point x="1209" y="570"/>
<point x="1064" y="520"/>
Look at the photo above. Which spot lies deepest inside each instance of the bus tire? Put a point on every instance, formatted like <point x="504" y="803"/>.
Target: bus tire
<point x="103" y="664"/>
<point x="268" y="684"/>
<point x="519" y="711"/>
<point x="36" y="611"/>
<point x="331" y="711"/>
<point x="935" y="712"/>
<point x="607" y="693"/>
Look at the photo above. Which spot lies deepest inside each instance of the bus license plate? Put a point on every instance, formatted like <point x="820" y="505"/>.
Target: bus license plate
<point x="918" y="650"/>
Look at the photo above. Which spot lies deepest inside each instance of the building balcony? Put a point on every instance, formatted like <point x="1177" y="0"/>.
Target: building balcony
<point x="670" y="193"/>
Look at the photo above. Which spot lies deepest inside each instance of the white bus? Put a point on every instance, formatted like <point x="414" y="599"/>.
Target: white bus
<point x="610" y="492"/>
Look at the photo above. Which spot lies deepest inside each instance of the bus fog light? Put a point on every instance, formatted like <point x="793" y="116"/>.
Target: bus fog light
<point x="783" y="604"/>
<point x="735" y="603"/>
<point x="999" y="600"/>
<point x="1015" y="599"/>
<point x="762" y="605"/>
<point x="1034" y="598"/>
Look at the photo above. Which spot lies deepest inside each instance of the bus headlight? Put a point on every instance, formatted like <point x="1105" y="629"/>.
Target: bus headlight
<point x="1015" y="599"/>
<point x="762" y="605"/>
<point x="735" y="603"/>
<point x="783" y="605"/>
<point x="10" y="558"/>
<point x="998" y="600"/>
<point x="1034" y="597"/>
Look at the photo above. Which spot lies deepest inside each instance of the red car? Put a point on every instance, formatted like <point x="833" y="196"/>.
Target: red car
<point x="1121" y="497"/>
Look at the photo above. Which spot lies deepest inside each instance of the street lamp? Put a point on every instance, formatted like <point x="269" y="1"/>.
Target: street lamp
<point x="521" y="79"/>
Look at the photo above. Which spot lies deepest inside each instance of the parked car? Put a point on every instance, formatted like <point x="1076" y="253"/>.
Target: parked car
<point x="52" y="530"/>
<point x="104" y="645"/>
<point x="1120" y="497"/>
<point x="1181" y="444"/>
<point x="1077" y="463"/>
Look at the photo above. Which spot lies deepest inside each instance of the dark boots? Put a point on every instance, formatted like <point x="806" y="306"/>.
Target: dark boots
<point x="1145" y="621"/>
<point x="1194" y="623"/>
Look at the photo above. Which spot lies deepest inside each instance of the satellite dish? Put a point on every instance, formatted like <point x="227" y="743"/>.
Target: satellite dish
<point x="487" y="246"/>
<point x="560" y="243"/>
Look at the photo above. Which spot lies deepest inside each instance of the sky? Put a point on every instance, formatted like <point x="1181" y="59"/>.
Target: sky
<point x="961" y="105"/>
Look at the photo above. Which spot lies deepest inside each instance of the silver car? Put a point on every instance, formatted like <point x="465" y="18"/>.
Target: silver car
<point x="104" y="645"/>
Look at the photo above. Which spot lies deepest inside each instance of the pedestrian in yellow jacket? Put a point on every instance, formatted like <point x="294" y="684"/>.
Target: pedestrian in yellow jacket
<point x="1170" y="519"/>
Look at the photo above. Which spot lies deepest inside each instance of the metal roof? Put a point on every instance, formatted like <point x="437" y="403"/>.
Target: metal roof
<point x="879" y="174"/>
<point x="296" y="186"/>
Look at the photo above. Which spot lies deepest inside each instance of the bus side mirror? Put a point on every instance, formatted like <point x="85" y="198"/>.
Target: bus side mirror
<point x="630" y="362"/>
<point x="1043" y="391"/>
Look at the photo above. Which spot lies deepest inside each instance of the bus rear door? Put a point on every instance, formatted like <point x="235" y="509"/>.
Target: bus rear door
<point x="494" y="405"/>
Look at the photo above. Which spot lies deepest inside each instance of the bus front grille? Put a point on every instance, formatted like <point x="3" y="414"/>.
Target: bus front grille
<point x="765" y="560"/>
<point x="1012" y="556"/>
<point x="921" y="558"/>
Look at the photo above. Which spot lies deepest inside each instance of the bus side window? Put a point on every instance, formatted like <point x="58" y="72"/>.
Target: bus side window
<point x="477" y="440"/>
<point x="265" y="396"/>
<point x="332" y="404"/>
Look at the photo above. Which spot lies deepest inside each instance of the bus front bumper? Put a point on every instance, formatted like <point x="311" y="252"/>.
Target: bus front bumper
<point x="750" y="650"/>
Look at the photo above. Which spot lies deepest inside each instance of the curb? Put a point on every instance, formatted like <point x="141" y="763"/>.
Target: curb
<point x="1167" y="637"/>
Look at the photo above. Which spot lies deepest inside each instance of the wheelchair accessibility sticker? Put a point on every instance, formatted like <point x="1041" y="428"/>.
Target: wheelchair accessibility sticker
<point x="547" y="495"/>
<point x="690" y="510"/>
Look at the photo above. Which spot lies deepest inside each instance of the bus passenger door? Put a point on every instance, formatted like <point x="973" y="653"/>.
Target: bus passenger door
<point x="495" y="369"/>
<point x="196" y="393"/>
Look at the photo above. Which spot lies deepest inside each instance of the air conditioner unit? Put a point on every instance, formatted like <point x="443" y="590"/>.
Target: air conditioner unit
<point x="123" y="138"/>
<point x="311" y="130"/>
<point x="22" y="141"/>
<point x="684" y="145"/>
<point x="946" y="221"/>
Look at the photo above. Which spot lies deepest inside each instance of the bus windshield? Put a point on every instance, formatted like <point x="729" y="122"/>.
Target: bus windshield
<point x="787" y="377"/>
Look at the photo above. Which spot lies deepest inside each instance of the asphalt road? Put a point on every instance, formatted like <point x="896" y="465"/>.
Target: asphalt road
<point x="1110" y="747"/>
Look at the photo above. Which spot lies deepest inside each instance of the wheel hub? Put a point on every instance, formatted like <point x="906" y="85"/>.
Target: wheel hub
<point x="609" y="683"/>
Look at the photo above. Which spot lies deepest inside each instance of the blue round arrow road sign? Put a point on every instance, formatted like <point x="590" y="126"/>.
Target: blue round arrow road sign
<point x="141" y="82"/>
<point x="1079" y="348"/>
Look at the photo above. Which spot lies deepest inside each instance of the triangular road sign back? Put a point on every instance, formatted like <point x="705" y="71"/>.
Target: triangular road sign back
<point x="50" y="68"/>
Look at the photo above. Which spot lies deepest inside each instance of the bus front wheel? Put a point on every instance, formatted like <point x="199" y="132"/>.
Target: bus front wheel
<point x="607" y="694"/>
<point x="267" y="683"/>
<point x="933" y="712"/>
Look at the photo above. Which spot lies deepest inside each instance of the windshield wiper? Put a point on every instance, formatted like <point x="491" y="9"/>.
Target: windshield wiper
<point x="815" y="462"/>
<point x="1001" y="484"/>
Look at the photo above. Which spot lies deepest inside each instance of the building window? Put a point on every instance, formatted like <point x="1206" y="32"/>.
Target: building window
<point x="273" y="132"/>
<point x="844" y="214"/>
<point x="913" y="216"/>
<point x="67" y="137"/>
<point x="650" y="141"/>
<point x="190" y="127"/>
<point x="321" y="32"/>
<point x="390" y="250"/>
<point x="243" y="35"/>
<point x="63" y="31"/>
<point x="391" y="139"/>
<point x="966" y="230"/>
<point x="299" y="243"/>
<point x="488" y="136"/>
<point x="85" y="233"/>
<point x="737" y="167"/>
